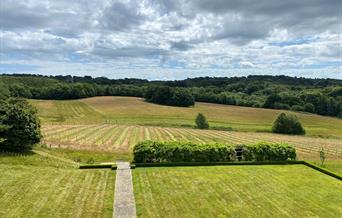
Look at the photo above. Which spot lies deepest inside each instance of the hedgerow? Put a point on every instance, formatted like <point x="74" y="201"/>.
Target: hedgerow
<point x="161" y="152"/>
<point x="157" y="152"/>
<point x="265" y="151"/>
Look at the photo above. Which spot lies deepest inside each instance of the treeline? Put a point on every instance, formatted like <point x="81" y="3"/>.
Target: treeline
<point x="320" y="96"/>
<point x="169" y="96"/>
<point x="190" y="82"/>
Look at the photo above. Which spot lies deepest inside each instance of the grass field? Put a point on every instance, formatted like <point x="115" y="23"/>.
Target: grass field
<point x="37" y="186"/>
<point x="130" y="110"/>
<point x="236" y="191"/>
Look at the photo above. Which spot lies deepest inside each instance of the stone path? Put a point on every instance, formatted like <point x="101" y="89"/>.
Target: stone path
<point x="124" y="202"/>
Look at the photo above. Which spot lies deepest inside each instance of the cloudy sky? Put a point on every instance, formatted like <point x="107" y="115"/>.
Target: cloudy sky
<point x="171" y="39"/>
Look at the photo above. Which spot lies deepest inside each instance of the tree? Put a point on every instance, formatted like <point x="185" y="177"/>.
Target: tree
<point x="20" y="91"/>
<point x="201" y="121"/>
<point x="20" y="126"/>
<point x="297" y="108"/>
<point x="308" y="107"/>
<point x="169" y="96"/>
<point x="271" y="100"/>
<point x="182" y="97"/>
<point x="288" y="124"/>
<point x="4" y="92"/>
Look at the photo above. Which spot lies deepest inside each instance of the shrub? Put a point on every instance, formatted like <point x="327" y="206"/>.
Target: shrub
<point x="281" y="106"/>
<point x="161" y="152"/>
<point x="288" y="124"/>
<point x="201" y="121"/>
<point x="264" y="151"/>
<point x="157" y="152"/>
<point x="297" y="108"/>
<point x="308" y="107"/>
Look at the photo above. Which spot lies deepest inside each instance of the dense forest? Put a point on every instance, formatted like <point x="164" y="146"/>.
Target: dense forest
<point x="320" y="96"/>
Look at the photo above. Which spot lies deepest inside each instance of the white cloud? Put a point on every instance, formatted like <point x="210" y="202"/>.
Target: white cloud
<point x="153" y="38"/>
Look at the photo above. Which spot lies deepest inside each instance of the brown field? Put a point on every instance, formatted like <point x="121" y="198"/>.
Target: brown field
<point x="132" y="111"/>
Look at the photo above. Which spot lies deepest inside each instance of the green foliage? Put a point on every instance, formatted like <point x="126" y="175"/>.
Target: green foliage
<point x="4" y="92"/>
<point x="201" y="121"/>
<point x="297" y="108"/>
<point x="96" y="166"/>
<point x="322" y="156"/>
<point x="264" y="151"/>
<point x="169" y="96"/>
<point x="20" y="126"/>
<point x="276" y="92"/>
<point x="18" y="90"/>
<point x="288" y="124"/>
<point x="159" y="152"/>
<point x="308" y="107"/>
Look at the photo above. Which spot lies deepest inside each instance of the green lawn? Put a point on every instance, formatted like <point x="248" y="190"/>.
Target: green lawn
<point x="85" y="156"/>
<point x="236" y="191"/>
<point x="30" y="190"/>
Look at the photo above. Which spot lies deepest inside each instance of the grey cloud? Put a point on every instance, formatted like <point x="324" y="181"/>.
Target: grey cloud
<point x="20" y="16"/>
<point x="181" y="45"/>
<point x="199" y="32"/>
<point x="119" y="16"/>
<point x="242" y="32"/>
<point x="129" y="51"/>
<point x="303" y="17"/>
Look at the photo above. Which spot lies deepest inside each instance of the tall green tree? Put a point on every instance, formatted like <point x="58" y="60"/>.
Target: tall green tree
<point x="19" y="125"/>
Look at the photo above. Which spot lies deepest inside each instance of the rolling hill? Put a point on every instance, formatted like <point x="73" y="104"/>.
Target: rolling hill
<point x="131" y="110"/>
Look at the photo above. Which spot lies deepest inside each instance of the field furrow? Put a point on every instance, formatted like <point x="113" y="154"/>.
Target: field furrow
<point x="122" y="138"/>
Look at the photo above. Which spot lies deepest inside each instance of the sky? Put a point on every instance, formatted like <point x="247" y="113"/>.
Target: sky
<point x="171" y="39"/>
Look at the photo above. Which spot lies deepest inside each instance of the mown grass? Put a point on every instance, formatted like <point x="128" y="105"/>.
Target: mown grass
<point x="42" y="184"/>
<point x="85" y="156"/>
<point x="130" y="110"/>
<point x="28" y="191"/>
<point x="236" y="191"/>
<point x="32" y="159"/>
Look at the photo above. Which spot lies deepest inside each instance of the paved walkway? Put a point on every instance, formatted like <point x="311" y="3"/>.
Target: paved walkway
<point x="124" y="202"/>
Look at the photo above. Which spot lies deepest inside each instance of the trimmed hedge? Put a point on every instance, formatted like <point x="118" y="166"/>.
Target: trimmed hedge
<point x="191" y="164"/>
<point x="325" y="171"/>
<point x="161" y="152"/>
<point x="158" y="152"/>
<point x="97" y="166"/>
<point x="265" y="151"/>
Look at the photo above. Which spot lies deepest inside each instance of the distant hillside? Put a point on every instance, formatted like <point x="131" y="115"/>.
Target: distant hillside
<point x="190" y="82"/>
<point x="319" y="96"/>
<point x="128" y="110"/>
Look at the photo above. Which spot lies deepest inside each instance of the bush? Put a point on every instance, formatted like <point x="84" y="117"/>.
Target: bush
<point x="201" y="121"/>
<point x="19" y="125"/>
<point x="281" y="106"/>
<point x="308" y="107"/>
<point x="159" y="152"/>
<point x="297" y="108"/>
<point x="264" y="151"/>
<point x="288" y="124"/>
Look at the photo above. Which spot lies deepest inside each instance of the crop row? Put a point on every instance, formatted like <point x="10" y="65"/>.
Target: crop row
<point x="122" y="138"/>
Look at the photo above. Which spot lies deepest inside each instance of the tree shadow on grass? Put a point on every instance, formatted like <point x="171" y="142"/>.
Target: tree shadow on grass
<point x="4" y="152"/>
